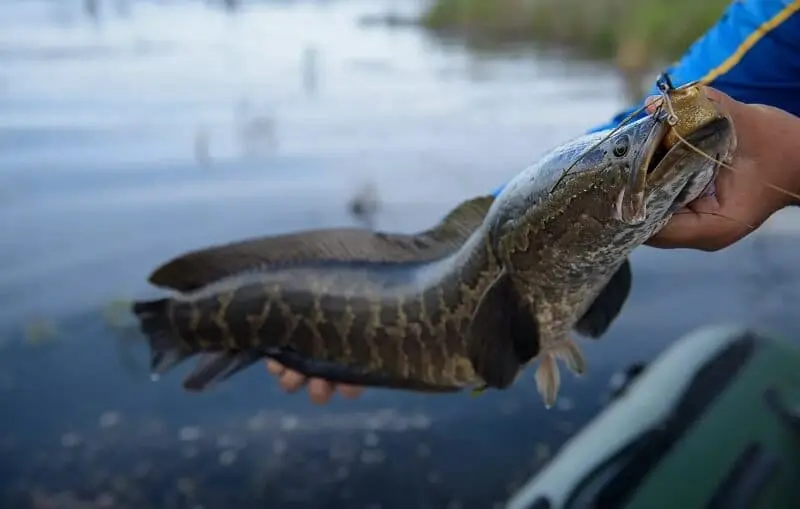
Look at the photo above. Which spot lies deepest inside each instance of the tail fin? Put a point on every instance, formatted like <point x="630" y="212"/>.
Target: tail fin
<point x="166" y="349"/>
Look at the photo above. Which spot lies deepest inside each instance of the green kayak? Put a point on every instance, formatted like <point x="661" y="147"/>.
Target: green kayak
<point x="713" y="423"/>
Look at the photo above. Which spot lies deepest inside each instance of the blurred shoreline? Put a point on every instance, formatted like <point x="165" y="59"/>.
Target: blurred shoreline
<point x="635" y="35"/>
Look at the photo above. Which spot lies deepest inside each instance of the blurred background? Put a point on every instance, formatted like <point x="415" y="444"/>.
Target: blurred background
<point x="131" y="131"/>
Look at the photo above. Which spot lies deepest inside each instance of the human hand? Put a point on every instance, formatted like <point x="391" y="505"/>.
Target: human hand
<point x="320" y="391"/>
<point x="768" y="150"/>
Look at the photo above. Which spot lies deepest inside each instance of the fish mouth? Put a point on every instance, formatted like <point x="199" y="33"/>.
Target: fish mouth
<point x="665" y="164"/>
<point x="632" y="200"/>
<point x="658" y="164"/>
<point x="656" y="154"/>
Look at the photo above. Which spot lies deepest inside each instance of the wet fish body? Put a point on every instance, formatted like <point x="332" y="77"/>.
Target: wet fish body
<point x="468" y="303"/>
<point x="390" y="312"/>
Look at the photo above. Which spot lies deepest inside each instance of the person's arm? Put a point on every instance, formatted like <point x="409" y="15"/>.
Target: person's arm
<point x="752" y="54"/>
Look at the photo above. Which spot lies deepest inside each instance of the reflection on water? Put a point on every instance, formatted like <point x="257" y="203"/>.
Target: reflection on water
<point x="162" y="127"/>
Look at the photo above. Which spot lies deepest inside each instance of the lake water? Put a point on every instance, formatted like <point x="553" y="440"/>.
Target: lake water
<point x="159" y="127"/>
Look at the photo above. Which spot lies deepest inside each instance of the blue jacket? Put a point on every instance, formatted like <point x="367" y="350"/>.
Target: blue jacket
<point x="752" y="54"/>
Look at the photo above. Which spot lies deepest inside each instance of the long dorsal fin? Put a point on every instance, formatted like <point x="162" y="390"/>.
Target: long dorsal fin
<point x="199" y="268"/>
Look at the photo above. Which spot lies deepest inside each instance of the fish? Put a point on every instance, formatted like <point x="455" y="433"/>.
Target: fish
<point x="498" y="284"/>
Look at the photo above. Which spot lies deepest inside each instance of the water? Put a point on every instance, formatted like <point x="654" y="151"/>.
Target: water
<point x="158" y="127"/>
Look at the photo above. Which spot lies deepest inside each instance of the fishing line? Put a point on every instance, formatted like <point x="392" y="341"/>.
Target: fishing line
<point x="736" y="170"/>
<point x="723" y="216"/>
<point x="665" y="86"/>
<point x="583" y="154"/>
<point x="672" y="119"/>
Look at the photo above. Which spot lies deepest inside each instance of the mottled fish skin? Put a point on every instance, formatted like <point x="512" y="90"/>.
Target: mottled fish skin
<point x="403" y="322"/>
<point x="564" y="247"/>
<point x="544" y="260"/>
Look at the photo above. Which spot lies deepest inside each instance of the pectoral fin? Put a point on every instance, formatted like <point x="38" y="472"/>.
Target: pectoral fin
<point x="502" y="336"/>
<point x="548" y="375"/>
<point x="571" y="354"/>
<point x="607" y="305"/>
<point x="548" y="379"/>
<point x="198" y="268"/>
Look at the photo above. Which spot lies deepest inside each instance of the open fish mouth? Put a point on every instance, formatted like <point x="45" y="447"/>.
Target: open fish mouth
<point x="707" y="139"/>
<point x="659" y="164"/>
<point x="656" y="155"/>
<point x="631" y="205"/>
<point x="694" y="188"/>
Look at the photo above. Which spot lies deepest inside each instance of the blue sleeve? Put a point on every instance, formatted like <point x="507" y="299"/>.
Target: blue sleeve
<point x="752" y="54"/>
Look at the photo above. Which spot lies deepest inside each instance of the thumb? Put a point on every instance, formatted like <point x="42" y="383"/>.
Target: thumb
<point x="725" y="102"/>
<point x="721" y="98"/>
<point x="701" y="225"/>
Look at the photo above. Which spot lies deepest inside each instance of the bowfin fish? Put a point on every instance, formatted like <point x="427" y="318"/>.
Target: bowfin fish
<point x="196" y="269"/>
<point x="489" y="292"/>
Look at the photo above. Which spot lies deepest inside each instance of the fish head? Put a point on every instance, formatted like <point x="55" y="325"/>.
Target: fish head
<point x="680" y="174"/>
<point x="606" y="191"/>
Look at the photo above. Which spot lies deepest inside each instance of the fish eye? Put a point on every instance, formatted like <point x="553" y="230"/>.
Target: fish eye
<point x="621" y="146"/>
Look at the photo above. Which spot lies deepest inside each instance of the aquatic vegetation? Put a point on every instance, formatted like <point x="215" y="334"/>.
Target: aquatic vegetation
<point x="632" y="32"/>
